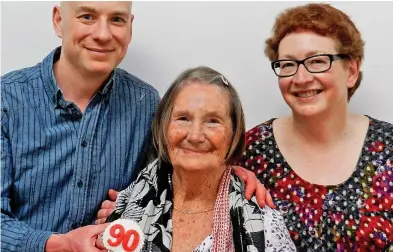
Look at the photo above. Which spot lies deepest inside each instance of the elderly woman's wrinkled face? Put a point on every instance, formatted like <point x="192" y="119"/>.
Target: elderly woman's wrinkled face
<point x="200" y="128"/>
<point x="314" y="93"/>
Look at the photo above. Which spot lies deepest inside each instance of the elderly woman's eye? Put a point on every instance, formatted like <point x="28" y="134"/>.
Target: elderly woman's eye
<point x="213" y="120"/>
<point x="182" y="118"/>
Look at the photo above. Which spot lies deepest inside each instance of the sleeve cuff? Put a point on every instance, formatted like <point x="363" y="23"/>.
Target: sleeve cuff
<point x="36" y="240"/>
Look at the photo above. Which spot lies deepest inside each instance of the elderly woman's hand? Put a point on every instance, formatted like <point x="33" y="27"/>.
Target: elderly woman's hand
<point x="107" y="207"/>
<point x="254" y="185"/>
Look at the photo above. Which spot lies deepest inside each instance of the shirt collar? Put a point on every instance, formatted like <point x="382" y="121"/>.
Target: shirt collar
<point x="108" y="84"/>
<point x="50" y="83"/>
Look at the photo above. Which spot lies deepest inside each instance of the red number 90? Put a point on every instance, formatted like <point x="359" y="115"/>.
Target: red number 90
<point x="117" y="231"/>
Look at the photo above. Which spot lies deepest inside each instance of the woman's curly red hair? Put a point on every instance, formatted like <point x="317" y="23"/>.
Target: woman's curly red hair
<point x="325" y="20"/>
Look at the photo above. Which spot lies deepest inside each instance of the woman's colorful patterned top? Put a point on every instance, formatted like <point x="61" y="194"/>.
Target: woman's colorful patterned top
<point x="356" y="215"/>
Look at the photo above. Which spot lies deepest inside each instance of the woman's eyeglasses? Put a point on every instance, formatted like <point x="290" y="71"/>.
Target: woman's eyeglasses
<point x="314" y="64"/>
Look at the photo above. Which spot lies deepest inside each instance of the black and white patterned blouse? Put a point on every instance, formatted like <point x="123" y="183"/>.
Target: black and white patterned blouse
<point x="149" y="201"/>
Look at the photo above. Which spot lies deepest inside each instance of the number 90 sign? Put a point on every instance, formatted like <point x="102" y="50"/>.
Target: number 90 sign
<point x="123" y="235"/>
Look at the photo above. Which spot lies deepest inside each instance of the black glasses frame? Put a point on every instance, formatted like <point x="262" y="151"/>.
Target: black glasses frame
<point x="332" y="58"/>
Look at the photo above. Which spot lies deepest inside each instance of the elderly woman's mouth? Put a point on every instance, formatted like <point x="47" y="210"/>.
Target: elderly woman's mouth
<point x="197" y="151"/>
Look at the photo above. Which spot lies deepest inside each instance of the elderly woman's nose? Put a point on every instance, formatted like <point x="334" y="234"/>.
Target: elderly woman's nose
<point x="195" y="132"/>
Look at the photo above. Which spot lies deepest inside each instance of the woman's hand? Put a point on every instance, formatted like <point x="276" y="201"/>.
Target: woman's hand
<point x="254" y="185"/>
<point x="107" y="207"/>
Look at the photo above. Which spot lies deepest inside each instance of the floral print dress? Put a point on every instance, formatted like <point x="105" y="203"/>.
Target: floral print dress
<point x="356" y="215"/>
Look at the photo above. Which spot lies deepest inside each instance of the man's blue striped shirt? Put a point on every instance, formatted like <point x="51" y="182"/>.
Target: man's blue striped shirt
<point x="57" y="163"/>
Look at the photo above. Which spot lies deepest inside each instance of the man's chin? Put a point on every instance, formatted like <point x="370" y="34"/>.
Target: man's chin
<point x="100" y="69"/>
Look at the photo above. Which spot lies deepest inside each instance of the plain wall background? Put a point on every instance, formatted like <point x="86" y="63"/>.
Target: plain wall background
<point x="228" y="36"/>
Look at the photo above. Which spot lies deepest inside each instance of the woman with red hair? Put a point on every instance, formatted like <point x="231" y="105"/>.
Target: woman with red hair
<point x="330" y="172"/>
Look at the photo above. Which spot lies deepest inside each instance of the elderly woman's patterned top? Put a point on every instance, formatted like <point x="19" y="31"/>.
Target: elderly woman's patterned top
<point x="149" y="202"/>
<point x="356" y="215"/>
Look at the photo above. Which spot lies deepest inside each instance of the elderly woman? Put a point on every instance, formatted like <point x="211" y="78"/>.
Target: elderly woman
<point x="330" y="172"/>
<point x="189" y="199"/>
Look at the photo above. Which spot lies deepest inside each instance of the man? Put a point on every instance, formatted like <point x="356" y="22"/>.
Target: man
<point x="73" y="127"/>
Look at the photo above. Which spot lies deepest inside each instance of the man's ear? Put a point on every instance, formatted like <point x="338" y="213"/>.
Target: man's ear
<point x="57" y="20"/>
<point x="131" y="22"/>
<point x="354" y="69"/>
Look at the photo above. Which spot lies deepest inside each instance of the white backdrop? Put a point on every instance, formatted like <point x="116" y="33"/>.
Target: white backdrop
<point x="228" y="36"/>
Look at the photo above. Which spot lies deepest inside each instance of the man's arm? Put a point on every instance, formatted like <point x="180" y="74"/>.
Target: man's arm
<point x="15" y="235"/>
<point x="83" y="239"/>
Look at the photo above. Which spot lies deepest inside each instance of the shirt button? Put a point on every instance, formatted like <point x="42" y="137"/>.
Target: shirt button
<point x="84" y="143"/>
<point x="74" y="225"/>
<point x="80" y="183"/>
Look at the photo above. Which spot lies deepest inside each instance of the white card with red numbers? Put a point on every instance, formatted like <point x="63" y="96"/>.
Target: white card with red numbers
<point x="123" y="236"/>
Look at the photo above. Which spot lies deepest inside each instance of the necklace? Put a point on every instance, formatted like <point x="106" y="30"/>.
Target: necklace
<point x="189" y="212"/>
<point x="185" y="211"/>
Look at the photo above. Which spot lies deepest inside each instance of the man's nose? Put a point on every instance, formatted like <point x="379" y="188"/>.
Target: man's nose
<point x="102" y="31"/>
